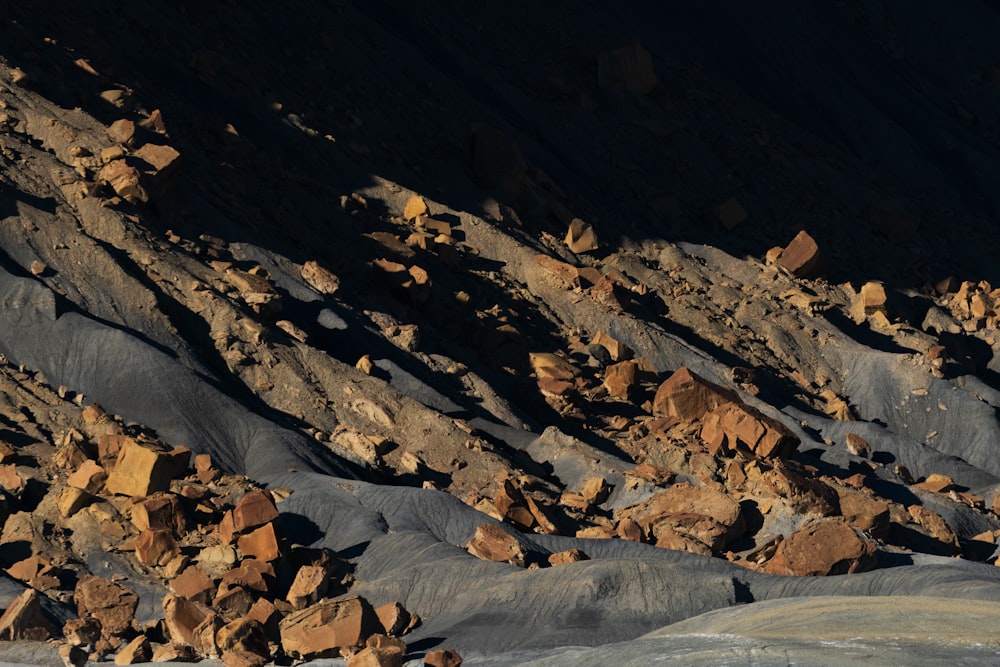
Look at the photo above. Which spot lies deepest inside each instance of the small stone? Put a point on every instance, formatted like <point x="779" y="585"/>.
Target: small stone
<point x="493" y="543"/>
<point x="802" y="257"/>
<point x="580" y="237"/>
<point x="320" y="279"/>
<point x="37" y="268"/>
<point x="443" y="657"/>
<point x="567" y="556"/>
<point x="24" y="619"/>
<point x="857" y="445"/>
<point x="137" y="650"/>
<point x="415" y="206"/>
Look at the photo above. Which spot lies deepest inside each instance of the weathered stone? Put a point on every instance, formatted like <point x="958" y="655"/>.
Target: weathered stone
<point x="857" y="445"/>
<point x="181" y="617"/>
<point x="443" y="657"/>
<point x="160" y="512"/>
<point x="319" y="278"/>
<point x="864" y="513"/>
<point x="82" y="631"/>
<point x="688" y="396"/>
<point x="491" y="542"/>
<point x="802" y="257"/>
<point x="254" y="509"/>
<point x="155" y="547"/>
<point x="395" y="619"/>
<point x="24" y="619"/>
<point x="243" y="634"/>
<point x="137" y="650"/>
<point x="618" y="350"/>
<point x="203" y="635"/>
<point x="628" y="68"/>
<point x="542" y="518"/>
<point x="261" y="544"/>
<point x="733" y="426"/>
<point x="704" y="513"/>
<point x="328" y="627"/>
<point x="88" y="477"/>
<point x="375" y="657"/>
<point x="621" y="380"/>
<point x="109" y="602"/>
<point x="122" y="131"/>
<point x="124" y="180"/>
<point x="803" y="494"/>
<point x="937" y="483"/>
<point x="193" y="584"/>
<point x="174" y="651"/>
<point x="251" y="573"/>
<point x="93" y="414"/>
<point x="163" y="162"/>
<point x="309" y="585"/>
<point x="567" y="556"/>
<point x="827" y="547"/>
<point x="72" y="656"/>
<point x="415" y="206"/>
<point x="36" y="571"/>
<point x="935" y="526"/>
<point x="580" y="237"/>
<point x="240" y="658"/>
<point x="233" y="603"/>
<point x="141" y="470"/>
<point x="595" y="490"/>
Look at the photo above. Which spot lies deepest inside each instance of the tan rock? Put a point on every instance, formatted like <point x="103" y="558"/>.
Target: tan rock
<point x="802" y="257"/>
<point x="541" y="515"/>
<point x="88" y="477"/>
<point x="857" y="445"/>
<point x="243" y="634"/>
<point x="375" y="657"/>
<point x="11" y="480"/>
<point x="82" y="631"/>
<point x="827" y="547"/>
<point x="934" y="524"/>
<point x="618" y="350"/>
<point x="155" y="547"/>
<point x="137" y="650"/>
<point x="704" y="513"/>
<point x="124" y="180"/>
<point x="163" y="162"/>
<point x="595" y="490"/>
<point x="233" y="603"/>
<point x="160" y="512"/>
<point x="443" y="657"/>
<point x="415" y="206"/>
<point x="493" y="543"/>
<point x="36" y="571"/>
<point x="239" y="658"/>
<point x="628" y="68"/>
<point x="328" y="627"/>
<point x="622" y="380"/>
<point x="688" y="396"/>
<point x="108" y="601"/>
<point x="37" y="268"/>
<point x="567" y="556"/>
<point x="251" y="574"/>
<point x="122" y="131"/>
<point x="864" y="513"/>
<point x="319" y="278"/>
<point x="174" y="651"/>
<point x="628" y="529"/>
<point x="580" y="237"/>
<point x="937" y="483"/>
<point x="567" y="273"/>
<point x="143" y="469"/>
<point x="24" y="619"/>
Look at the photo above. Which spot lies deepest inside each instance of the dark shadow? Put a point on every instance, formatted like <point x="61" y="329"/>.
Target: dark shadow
<point x="744" y="594"/>
<point x="862" y="333"/>
<point x="14" y="552"/>
<point x="300" y="529"/>
<point x="416" y="650"/>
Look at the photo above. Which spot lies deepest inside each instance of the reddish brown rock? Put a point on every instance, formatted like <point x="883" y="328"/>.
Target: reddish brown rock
<point x="161" y="512"/>
<point x="36" y="571"/>
<point x="80" y="631"/>
<point x="24" y="619"/>
<point x="628" y="68"/>
<point x="193" y="584"/>
<point x="109" y="602"/>
<point x="243" y="634"/>
<point x="443" y="657"/>
<point x="827" y="547"/>
<point x="936" y="483"/>
<point x="803" y="494"/>
<point x="375" y="657"/>
<point x="628" y="529"/>
<point x="251" y="573"/>
<point x="734" y="426"/>
<point x="174" y="651"/>
<point x="255" y="509"/>
<point x="934" y="525"/>
<point x="143" y="469"/>
<point x="687" y="396"/>
<point x="328" y="627"/>
<point x="802" y="257"/>
<point x="857" y="445"/>
<point x="704" y="513"/>
<point x="309" y="586"/>
<point x="233" y="603"/>
<point x="11" y="480"/>
<point x="163" y="162"/>
<point x="493" y="543"/>
<point x="261" y="544"/>
<point x="621" y="380"/>
<point x="864" y="513"/>
<point x="182" y="616"/>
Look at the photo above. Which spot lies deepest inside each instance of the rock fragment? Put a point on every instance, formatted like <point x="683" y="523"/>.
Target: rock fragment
<point x="491" y="542"/>
<point x="802" y="257"/>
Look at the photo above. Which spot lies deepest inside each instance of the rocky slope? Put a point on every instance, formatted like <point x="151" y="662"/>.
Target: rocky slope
<point x="538" y="335"/>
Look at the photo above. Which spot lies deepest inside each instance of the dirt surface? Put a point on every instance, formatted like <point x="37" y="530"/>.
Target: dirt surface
<point x="584" y="333"/>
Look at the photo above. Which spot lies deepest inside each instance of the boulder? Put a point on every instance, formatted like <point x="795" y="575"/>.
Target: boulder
<point x="621" y="380"/>
<point x="254" y="509"/>
<point x="443" y="657"/>
<point x="827" y="547"/>
<point x="802" y="257"/>
<point x="108" y="601"/>
<point x="143" y="469"/>
<point x="702" y="513"/>
<point x="687" y="396"/>
<point x="24" y="619"/>
<point x="733" y="426"/>
<point x="491" y="542"/>
<point x="328" y="628"/>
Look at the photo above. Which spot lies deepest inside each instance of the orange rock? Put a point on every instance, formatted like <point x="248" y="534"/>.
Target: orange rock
<point x="621" y="380"/>
<point x="580" y="237"/>
<point x="155" y="547"/>
<point x="375" y="657"/>
<point x="243" y="634"/>
<point x="828" y="547"/>
<point x="415" y="206"/>
<point x="232" y="603"/>
<point x="937" y="483"/>
<point x="36" y="571"/>
<point x="328" y="627"/>
<point x="491" y="542"/>
<point x="395" y="619"/>
<point x="193" y="584"/>
<point x="141" y="470"/>
<point x="864" y="513"/>
<point x="92" y="414"/>
<point x="251" y="573"/>
<point x="11" y="480"/>
<point x="124" y="180"/>
<point x="261" y="544"/>
<point x="802" y="257"/>
<point x="182" y="616"/>
<point x="137" y="650"/>
<point x="320" y="279"/>
<point x="733" y="426"/>
<point x="628" y="529"/>
<point x="688" y="396"/>
<point x="160" y="512"/>
<point x="704" y="513"/>
<point x="595" y="490"/>
<point x="309" y="586"/>
<point x="857" y="445"/>
<point x="88" y="477"/>
<point x="255" y="509"/>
